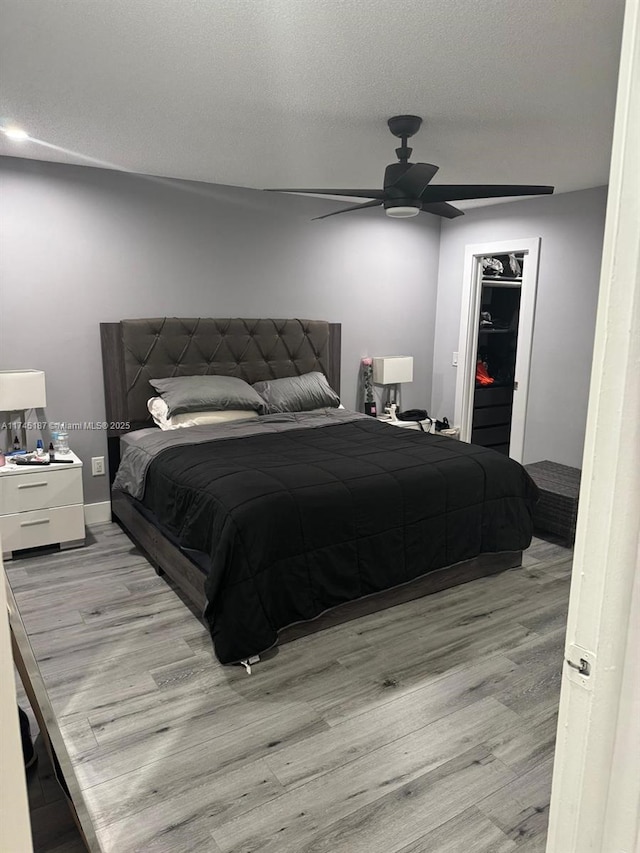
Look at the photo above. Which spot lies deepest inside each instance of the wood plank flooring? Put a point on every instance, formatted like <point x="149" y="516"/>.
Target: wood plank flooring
<point x="425" y="728"/>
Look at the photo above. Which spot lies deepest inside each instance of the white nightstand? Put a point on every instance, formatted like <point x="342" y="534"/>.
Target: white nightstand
<point x="41" y="506"/>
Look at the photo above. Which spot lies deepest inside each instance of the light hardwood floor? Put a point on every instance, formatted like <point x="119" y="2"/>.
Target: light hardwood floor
<point x="425" y="728"/>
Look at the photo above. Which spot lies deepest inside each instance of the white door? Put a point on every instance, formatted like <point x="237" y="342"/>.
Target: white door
<point x="469" y="326"/>
<point x="595" y="800"/>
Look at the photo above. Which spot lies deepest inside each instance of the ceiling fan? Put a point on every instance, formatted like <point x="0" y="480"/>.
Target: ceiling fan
<point x="407" y="189"/>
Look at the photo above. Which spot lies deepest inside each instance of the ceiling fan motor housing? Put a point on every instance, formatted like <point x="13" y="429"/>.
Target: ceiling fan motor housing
<point x="392" y="175"/>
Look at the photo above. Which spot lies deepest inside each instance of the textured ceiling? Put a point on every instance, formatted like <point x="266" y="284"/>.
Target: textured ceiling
<point x="263" y="93"/>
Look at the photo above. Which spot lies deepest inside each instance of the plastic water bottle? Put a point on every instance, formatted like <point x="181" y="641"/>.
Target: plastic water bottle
<point x="62" y="445"/>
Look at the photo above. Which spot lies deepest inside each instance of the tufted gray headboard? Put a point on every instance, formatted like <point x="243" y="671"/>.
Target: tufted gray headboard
<point x="134" y="351"/>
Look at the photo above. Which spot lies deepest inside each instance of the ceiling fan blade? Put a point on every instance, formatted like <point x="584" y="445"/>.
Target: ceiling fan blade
<point x="452" y="192"/>
<point x="353" y="193"/>
<point x="375" y="203"/>
<point x="443" y="209"/>
<point x="414" y="181"/>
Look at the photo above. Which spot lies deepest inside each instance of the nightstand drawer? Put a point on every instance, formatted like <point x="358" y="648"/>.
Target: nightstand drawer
<point x="40" y="489"/>
<point x="41" y="527"/>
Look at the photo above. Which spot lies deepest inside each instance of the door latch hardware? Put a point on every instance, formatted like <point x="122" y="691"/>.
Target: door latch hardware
<point x="584" y="667"/>
<point x="586" y="663"/>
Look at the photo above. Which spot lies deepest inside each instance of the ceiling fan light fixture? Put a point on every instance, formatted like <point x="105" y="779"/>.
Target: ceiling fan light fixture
<point x="402" y="211"/>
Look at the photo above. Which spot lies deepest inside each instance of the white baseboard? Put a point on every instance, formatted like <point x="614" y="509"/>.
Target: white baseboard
<point x="97" y="513"/>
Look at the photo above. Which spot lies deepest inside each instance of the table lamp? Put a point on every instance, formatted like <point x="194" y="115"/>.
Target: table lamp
<point x="392" y="371"/>
<point x="20" y="391"/>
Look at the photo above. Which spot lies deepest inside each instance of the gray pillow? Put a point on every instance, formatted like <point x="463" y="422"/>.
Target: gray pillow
<point x="298" y="393"/>
<point x="208" y="393"/>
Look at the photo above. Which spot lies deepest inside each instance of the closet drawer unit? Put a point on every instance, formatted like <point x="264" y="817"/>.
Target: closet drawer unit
<point x="40" y="489"/>
<point x="491" y="416"/>
<point x="492" y="397"/>
<point x="41" y="527"/>
<point x="487" y="436"/>
<point x="501" y="448"/>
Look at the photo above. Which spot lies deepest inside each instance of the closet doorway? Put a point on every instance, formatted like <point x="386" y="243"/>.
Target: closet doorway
<point x="494" y="350"/>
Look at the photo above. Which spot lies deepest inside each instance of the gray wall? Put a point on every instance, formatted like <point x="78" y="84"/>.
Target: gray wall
<point x="571" y="226"/>
<point x="80" y="246"/>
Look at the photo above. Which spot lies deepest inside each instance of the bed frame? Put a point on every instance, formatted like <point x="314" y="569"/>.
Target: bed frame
<point x="134" y="351"/>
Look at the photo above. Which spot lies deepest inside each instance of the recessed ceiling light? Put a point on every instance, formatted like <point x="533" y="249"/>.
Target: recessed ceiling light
<point x="15" y="133"/>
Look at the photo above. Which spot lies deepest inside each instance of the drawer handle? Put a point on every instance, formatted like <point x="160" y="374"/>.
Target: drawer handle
<point x="32" y="485"/>
<point x="33" y="523"/>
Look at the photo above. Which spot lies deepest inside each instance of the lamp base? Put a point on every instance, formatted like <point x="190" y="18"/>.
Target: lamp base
<point x="16" y="427"/>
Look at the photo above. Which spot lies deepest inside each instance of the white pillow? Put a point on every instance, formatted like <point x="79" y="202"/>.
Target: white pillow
<point x="160" y="411"/>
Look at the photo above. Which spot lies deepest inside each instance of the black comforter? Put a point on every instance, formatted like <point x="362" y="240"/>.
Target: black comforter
<point x="297" y="522"/>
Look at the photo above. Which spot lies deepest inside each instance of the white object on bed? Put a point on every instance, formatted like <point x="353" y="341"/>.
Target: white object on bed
<point x="160" y="413"/>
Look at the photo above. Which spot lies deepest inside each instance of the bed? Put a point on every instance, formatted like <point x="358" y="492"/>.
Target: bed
<point x="284" y="524"/>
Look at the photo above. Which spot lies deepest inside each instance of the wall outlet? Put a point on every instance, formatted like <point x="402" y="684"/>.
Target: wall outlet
<point x="454" y="360"/>
<point x="97" y="466"/>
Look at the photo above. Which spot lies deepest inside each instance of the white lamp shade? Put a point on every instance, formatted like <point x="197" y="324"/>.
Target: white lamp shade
<point x="392" y="369"/>
<point x="22" y="389"/>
